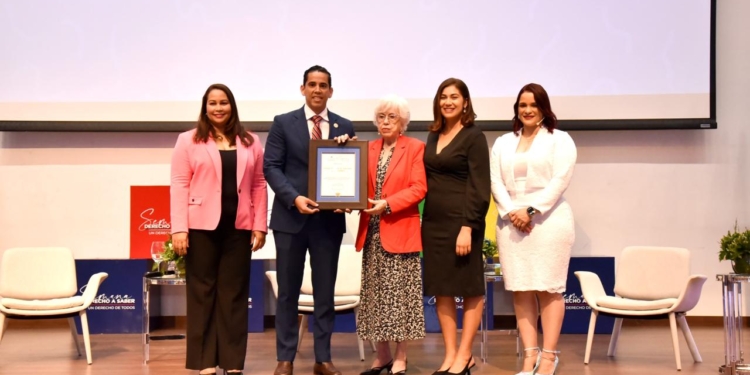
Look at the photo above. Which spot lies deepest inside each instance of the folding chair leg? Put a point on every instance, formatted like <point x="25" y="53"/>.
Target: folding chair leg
<point x="3" y="325"/>
<point x="360" y="342"/>
<point x="302" y="329"/>
<point x="689" y="338"/>
<point x="74" y="333"/>
<point x="615" y="336"/>
<point x="86" y="340"/>
<point x="374" y="348"/>
<point x="361" y="345"/>
<point x="518" y="342"/>
<point x="590" y="337"/>
<point x="675" y="341"/>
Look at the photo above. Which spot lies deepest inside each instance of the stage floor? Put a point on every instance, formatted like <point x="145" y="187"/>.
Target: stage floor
<point x="641" y="350"/>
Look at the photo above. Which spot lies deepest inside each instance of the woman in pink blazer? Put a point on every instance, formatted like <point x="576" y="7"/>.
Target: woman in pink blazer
<point x="391" y="295"/>
<point x="219" y="206"/>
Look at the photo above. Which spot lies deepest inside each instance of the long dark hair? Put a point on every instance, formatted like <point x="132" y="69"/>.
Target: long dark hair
<point x="232" y="129"/>
<point x="467" y="118"/>
<point x="541" y="98"/>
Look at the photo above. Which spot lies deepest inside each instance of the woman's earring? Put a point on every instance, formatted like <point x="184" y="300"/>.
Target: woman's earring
<point x="464" y="109"/>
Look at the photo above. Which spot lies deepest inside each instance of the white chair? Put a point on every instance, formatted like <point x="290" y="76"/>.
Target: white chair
<point x="650" y="281"/>
<point x="40" y="283"/>
<point x="345" y="296"/>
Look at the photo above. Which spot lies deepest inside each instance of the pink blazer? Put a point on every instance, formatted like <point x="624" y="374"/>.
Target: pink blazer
<point x="405" y="185"/>
<point x="196" y="185"/>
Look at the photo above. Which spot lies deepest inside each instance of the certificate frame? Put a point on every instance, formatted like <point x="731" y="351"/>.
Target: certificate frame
<point x="322" y="149"/>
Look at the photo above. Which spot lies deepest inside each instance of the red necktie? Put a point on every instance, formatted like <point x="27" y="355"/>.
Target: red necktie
<point x="316" y="133"/>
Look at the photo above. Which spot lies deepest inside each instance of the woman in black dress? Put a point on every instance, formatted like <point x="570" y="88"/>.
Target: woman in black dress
<point x="457" y="165"/>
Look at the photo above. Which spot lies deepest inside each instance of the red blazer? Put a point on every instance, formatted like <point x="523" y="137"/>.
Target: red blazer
<point x="405" y="185"/>
<point x="195" y="192"/>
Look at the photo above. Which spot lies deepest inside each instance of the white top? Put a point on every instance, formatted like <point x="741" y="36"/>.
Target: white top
<point x="550" y="160"/>
<point x="324" y="125"/>
<point x="520" y="166"/>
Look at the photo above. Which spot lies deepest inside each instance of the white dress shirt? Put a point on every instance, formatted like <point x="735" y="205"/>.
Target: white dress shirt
<point x="324" y="125"/>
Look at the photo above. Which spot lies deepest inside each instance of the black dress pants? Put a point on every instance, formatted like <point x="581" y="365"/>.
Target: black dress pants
<point x="217" y="272"/>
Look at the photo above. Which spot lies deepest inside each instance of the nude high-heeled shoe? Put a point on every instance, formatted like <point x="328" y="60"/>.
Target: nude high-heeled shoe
<point x="538" y="356"/>
<point x="555" y="359"/>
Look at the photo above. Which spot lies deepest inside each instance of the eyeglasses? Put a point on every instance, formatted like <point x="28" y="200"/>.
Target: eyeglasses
<point x="391" y="117"/>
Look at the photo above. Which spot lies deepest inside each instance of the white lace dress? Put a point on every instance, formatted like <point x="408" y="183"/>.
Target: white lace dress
<point x="537" y="178"/>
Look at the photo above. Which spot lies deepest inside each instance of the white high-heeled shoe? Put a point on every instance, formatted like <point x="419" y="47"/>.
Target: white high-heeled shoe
<point x="556" y="360"/>
<point x="538" y="359"/>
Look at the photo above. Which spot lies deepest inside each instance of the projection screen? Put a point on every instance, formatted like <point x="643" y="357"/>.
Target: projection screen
<point x="87" y="65"/>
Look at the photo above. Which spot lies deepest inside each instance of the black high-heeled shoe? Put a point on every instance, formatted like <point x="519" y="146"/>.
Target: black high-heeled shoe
<point x="402" y="372"/>
<point x="465" y="371"/>
<point x="378" y="370"/>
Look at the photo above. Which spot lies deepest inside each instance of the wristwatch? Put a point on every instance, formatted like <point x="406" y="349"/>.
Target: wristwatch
<point x="531" y="211"/>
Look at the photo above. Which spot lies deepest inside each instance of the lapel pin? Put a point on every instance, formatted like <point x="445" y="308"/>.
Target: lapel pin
<point x="335" y="125"/>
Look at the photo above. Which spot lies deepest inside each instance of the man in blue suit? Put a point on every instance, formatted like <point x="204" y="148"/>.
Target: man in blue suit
<point x="297" y="223"/>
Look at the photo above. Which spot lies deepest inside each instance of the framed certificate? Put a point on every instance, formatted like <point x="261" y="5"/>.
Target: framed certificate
<point x="338" y="174"/>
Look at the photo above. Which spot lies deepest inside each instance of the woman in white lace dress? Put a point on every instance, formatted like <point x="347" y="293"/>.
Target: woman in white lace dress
<point x="530" y="169"/>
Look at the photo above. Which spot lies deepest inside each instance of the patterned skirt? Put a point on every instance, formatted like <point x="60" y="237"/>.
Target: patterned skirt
<point x="391" y="296"/>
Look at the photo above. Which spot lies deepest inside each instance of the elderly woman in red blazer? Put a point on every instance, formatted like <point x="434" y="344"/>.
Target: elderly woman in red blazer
<point x="219" y="207"/>
<point x="391" y="297"/>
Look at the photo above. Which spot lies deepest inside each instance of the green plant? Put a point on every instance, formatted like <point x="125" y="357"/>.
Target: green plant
<point x="735" y="247"/>
<point x="170" y="255"/>
<point x="489" y="248"/>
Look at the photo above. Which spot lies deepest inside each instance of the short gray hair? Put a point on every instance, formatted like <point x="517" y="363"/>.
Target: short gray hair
<point x="398" y="104"/>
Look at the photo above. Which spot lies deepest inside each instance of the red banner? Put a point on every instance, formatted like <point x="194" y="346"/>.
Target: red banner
<point x="149" y="219"/>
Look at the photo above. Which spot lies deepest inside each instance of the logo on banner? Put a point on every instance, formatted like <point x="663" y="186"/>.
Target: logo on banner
<point x="459" y="302"/>
<point x="153" y="225"/>
<point x="574" y="302"/>
<point x="149" y="219"/>
<point x="111" y="301"/>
